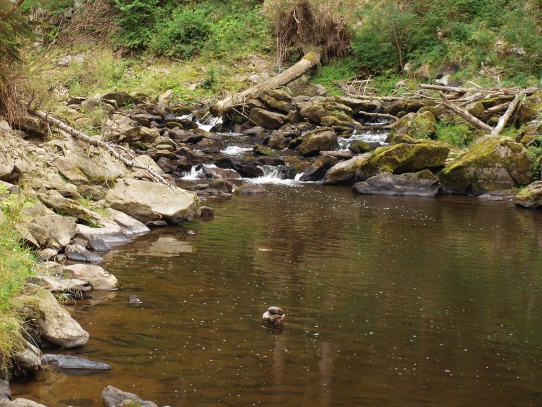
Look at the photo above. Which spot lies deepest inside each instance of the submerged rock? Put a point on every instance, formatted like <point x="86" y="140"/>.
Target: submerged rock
<point x="113" y="397"/>
<point x="69" y="362"/>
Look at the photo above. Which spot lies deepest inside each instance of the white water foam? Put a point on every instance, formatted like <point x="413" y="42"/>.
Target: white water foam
<point x="235" y="150"/>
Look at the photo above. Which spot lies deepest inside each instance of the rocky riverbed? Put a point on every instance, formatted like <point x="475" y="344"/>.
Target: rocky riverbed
<point x="84" y="199"/>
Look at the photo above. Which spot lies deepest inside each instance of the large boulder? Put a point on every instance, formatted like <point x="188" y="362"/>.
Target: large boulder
<point x="529" y="197"/>
<point x="344" y="172"/>
<point x="423" y="183"/>
<point x="55" y="323"/>
<point x="266" y="118"/>
<point x="323" y="139"/>
<point x="328" y="112"/>
<point x="278" y="99"/>
<point x="150" y="201"/>
<point x="54" y="200"/>
<point x="492" y="164"/>
<point x="401" y="158"/>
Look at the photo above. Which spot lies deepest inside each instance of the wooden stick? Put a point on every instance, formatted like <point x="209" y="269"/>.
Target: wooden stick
<point x="506" y="116"/>
<point x="109" y="147"/>
<point x="465" y="115"/>
<point x="445" y="88"/>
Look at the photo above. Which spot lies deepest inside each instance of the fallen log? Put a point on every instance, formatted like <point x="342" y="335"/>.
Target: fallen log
<point x="465" y="115"/>
<point x="506" y="116"/>
<point x="111" y="148"/>
<point x="310" y="60"/>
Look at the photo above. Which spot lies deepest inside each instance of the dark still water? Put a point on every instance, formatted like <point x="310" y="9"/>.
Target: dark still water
<point x="390" y="301"/>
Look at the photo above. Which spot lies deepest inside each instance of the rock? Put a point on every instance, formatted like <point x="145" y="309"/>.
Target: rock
<point x="97" y="165"/>
<point x="250" y="189"/>
<point x="402" y="158"/>
<point x="344" y="172"/>
<point x="407" y="105"/>
<point x="244" y="168"/>
<point x="422" y="183"/>
<point x="69" y="207"/>
<point x="20" y="402"/>
<point x="267" y="119"/>
<point x="68" y="362"/>
<point x="4" y="390"/>
<point x="529" y="197"/>
<point x="31" y="125"/>
<point x="120" y="98"/>
<point x="322" y="139"/>
<point x="422" y="125"/>
<point x="491" y="164"/>
<point x="55" y="323"/>
<point x="530" y="108"/>
<point x="13" y="161"/>
<point x="317" y="170"/>
<point x="98" y="278"/>
<point x="76" y="252"/>
<point x="71" y="172"/>
<point x="268" y="160"/>
<point x="113" y="397"/>
<point x="60" y="284"/>
<point x="278" y="99"/>
<point x="328" y="112"/>
<point x="29" y="359"/>
<point x="150" y="201"/>
<point x="46" y="229"/>
<point x="277" y="140"/>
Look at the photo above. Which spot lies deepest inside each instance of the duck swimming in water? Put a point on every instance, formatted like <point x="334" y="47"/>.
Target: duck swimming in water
<point x="134" y="300"/>
<point x="273" y="316"/>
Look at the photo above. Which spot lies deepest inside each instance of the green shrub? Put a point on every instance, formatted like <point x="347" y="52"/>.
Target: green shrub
<point x="183" y="35"/>
<point x="136" y="20"/>
<point x="457" y="135"/>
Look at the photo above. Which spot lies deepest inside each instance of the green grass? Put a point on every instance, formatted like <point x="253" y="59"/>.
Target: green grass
<point x="17" y="262"/>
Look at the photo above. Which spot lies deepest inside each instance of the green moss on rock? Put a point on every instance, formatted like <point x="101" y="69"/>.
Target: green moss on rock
<point x="492" y="164"/>
<point x="401" y="158"/>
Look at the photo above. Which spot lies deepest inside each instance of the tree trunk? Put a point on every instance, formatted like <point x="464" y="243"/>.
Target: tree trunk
<point x="506" y="116"/>
<point x="307" y="62"/>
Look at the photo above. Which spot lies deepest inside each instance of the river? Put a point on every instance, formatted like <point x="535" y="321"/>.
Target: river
<point x="389" y="301"/>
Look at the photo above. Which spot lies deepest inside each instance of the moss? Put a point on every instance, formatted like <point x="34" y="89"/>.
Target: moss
<point x="422" y="125"/>
<point x="491" y="164"/>
<point x="401" y="158"/>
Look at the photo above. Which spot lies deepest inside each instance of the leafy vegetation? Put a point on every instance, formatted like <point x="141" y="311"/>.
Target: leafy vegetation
<point x="16" y="264"/>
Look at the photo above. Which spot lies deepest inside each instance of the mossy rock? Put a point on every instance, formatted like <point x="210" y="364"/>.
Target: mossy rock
<point x="278" y="99"/>
<point x="357" y="105"/>
<point x="422" y="125"/>
<point x="324" y="139"/>
<point x="492" y="164"/>
<point x="530" y="109"/>
<point x="401" y="158"/>
<point x="407" y="106"/>
<point x="477" y="109"/>
<point x="360" y="146"/>
<point x="529" y="197"/>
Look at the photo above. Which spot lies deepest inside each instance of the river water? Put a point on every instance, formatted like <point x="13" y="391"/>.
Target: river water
<point x="390" y="301"/>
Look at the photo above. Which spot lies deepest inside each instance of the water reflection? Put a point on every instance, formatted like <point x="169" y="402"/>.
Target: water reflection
<point x="389" y="301"/>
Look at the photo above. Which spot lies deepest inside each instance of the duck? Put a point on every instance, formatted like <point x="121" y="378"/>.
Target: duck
<point x="273" y="316"/>
<point x="134" y="300"/>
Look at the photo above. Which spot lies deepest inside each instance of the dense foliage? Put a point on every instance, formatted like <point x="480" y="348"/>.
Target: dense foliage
<point x="452" y="36"/>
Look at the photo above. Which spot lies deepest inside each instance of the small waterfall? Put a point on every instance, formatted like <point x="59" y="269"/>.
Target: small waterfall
<point x="208" y="123"/>
<point x="273" y="175"/>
